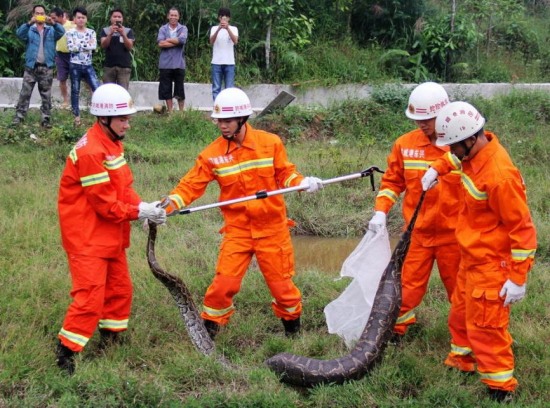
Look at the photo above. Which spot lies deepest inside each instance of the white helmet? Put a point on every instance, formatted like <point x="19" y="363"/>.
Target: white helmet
<point x="112" y="100"/>
<point x="231" y="103"/>
<point x="456" y="122"/>
<point x="426" y="100"/>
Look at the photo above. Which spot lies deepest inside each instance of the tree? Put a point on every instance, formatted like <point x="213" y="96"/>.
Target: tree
<point x="279" y="24"/>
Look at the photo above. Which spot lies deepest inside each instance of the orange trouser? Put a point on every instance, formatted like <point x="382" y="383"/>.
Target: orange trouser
<point x="482" y="327"/>
<point x="415" y="277"/>
<point x="275" y="258"/>
<point x="102" y="294"/>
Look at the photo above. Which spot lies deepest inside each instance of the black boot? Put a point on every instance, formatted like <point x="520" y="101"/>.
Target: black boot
<point x="108" y="338"/>
<point x="212" y="328"/>
<point x="65" y="358"/>
<point x="502" y="396"/>
<point x="396" y="339"/>
<point x="292" y="327"/>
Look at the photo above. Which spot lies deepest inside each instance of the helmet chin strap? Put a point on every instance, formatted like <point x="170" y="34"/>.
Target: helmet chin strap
<point x="467" y="149"/>
<point x="229" y="138"/>
<point x="114" y="134"/>
<point x="240" y="124"/>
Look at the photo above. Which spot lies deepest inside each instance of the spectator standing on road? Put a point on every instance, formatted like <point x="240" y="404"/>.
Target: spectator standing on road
<point x="223" y="38"/>
<point x="81" y="42"/>
<point x="117" y="41"/>
<point x="62" y="55"/>
<point x="171" y="39"/>
<point x="40" y="34"/>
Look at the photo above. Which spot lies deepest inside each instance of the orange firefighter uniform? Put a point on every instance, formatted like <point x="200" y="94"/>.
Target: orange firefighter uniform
<point x="497" y="239"/>
<point x="257" y="227"/>
<point x="433" y="237"/>
<point x="96" y="202"/>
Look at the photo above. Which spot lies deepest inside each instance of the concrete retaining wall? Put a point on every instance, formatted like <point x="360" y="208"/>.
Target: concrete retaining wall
<point x="199" y="96"/>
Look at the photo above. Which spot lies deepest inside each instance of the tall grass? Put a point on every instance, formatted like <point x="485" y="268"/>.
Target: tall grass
<point x="157" y="365"/>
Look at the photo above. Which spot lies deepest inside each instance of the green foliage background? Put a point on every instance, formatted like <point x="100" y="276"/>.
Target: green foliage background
<point x="326" y="41"/>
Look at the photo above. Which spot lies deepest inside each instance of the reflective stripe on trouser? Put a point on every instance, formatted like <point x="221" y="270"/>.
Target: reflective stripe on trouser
<point x="102" y="294"/>
<point x="461" y="358"/>
<point x="415" y="277"/>
<point x="482" y="323"/>
<point x="275" y="258"/>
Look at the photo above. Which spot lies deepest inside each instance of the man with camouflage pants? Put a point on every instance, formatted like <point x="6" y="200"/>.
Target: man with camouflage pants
<point x="40" y="34"/>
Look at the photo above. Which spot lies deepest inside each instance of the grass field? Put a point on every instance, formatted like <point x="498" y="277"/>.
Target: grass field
<point x="157" y="364"/>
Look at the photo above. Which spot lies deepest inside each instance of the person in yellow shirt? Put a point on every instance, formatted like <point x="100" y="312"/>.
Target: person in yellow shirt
<point x="62" y="55"/>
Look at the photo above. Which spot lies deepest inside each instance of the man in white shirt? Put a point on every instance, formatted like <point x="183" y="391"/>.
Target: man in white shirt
<point x="223" y="38"/>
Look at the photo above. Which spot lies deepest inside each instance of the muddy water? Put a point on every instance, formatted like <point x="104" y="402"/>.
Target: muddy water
<point x="323" y="254"/>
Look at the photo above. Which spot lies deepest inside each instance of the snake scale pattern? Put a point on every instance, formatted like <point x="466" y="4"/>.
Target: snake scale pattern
<point x="184" y="300"/>
<point x="368" y="351"/>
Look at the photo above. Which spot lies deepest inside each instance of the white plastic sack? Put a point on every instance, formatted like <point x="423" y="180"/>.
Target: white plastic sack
<point x="348" y="314"/>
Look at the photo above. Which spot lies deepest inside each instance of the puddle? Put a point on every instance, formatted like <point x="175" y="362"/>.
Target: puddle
<point x="323" y="254"/>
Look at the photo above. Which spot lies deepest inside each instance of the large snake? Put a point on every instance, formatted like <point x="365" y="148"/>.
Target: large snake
<point x="308" y="372"/>
<point x="184" y="300"/>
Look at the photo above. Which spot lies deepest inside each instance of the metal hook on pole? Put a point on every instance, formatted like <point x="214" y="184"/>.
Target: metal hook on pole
<point x="264" y="194"/>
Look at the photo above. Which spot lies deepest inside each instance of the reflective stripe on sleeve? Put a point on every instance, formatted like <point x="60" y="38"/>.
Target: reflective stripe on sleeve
<point x="288" y="181"/>
<point x="520" y="255"/>
<point x="176" y="199"/>
<point x="388" y="194"/>
<point x="94" y="179"/>
<point x="115" y="163"/>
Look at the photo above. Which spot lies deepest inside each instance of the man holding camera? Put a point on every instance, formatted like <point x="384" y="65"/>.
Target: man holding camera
<point x="223" y="38"/>
<point x="40" y="34"/>
<point x="117" y="41"/>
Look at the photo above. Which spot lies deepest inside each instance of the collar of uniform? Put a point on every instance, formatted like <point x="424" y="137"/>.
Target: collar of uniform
<point x="248" y="142"/>
<point x="106" y="140"/>
<point x="422" y="139"/>
<point x="479" y="160"/>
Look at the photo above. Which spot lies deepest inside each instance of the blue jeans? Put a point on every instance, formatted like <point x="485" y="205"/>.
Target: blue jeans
<point x="78" y="73"/>
<point x="225" y="73"/>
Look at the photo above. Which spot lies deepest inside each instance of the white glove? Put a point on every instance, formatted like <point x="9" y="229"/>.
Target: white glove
<point x="312" y="184"/>
<point x="378" y="221"/>
<point x="429" y="180"/>
<point x="152" y="211"/>
<point x="514" y="293"/>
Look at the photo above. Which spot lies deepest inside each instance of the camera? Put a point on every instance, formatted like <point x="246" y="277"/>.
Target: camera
<point x="118" y="24"/>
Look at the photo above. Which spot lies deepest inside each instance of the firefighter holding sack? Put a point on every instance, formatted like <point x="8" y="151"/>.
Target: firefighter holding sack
<point x="433" y="238"/>
<point x="96" y="204"/>
<point x="244" y="161"/>
<point x="497" y="240"/>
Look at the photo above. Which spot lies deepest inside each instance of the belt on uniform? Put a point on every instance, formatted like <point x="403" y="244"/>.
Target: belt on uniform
<point x="38" y="64"/>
